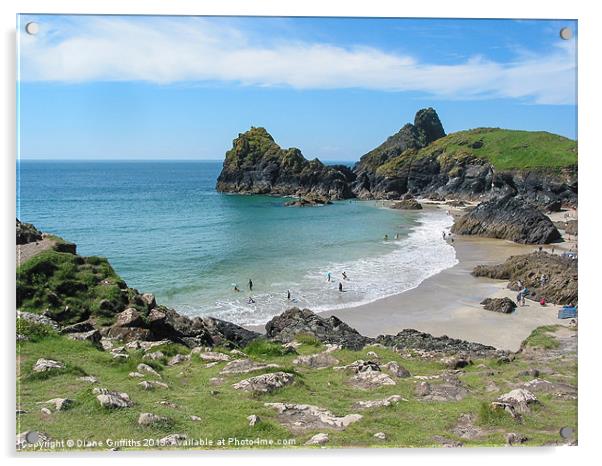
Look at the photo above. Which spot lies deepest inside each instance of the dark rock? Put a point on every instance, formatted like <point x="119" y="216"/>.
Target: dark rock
<point x="413" y="339"/>
<point x="85" y="326"/>
<point x="503" y="305"/>
<point x="168" y="324"/>
<point x="229" y="333"/>
<point x="27" y="233"/>
<point x="508" y="218"/>
<point x="554" y="206"/>
<point x="294" y="321"/>
<point x="561" y="277"/>
<point x="309" y="201"/>
<point x="257" y="165"/>
<point x="129" y="318"/>
<point x="93" y="336"/>
<point x="407" y="204"/>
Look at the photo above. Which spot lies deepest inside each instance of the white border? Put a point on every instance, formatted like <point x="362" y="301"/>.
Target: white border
<point x="590" y="168"/>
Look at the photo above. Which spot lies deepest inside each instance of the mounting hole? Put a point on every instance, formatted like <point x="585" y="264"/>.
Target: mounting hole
<point x="32" y="437"/>
<point x="32" y="28"/>
<point x="566" y="432"/>
<point x="566" y="33"/>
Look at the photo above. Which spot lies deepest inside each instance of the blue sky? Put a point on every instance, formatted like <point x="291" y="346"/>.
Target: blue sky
<point x="93" y="87"/>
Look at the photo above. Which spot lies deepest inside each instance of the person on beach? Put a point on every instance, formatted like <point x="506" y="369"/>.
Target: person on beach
<point x="328" y="277"/>
<point x="542" y="301"/>
<point x="444" y="234"/>
<point x="344" y="275"/>
<point x="386" y="238"/>
<point x="288" y="295"/>
<point x="340" y="287"/>
<point x="519" y="298"/>
<point x="236" y="288"/>
<point x="251" y="300"/>
<point x="250" y="285"/>
<point x="552" y="249"/>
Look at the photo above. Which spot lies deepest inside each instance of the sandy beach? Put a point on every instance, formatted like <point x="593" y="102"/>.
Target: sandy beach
<point x="449" y="303"/>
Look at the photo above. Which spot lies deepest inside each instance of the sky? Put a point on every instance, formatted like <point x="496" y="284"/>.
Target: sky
<point x="151" y="87"/>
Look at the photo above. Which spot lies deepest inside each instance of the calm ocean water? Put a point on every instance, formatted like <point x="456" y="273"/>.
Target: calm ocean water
<point x="166" y="231"/>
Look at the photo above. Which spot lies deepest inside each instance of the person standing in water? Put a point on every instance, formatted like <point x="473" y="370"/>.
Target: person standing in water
<point x="328" y="277"/>
<point x="250" y="285"/>
<point x="288" y="295"/>
<point x="340" y="286"/>
<point x="386" y="238"/>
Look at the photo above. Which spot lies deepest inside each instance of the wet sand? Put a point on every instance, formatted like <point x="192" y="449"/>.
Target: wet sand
<point x="449" y="303"/>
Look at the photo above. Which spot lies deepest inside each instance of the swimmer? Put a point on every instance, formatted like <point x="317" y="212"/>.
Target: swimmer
<point x="251" y="300"/>
<point x="344" y="276"/>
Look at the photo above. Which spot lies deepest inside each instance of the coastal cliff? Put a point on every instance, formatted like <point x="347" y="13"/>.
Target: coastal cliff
<point x="257" y="165"/>
<point x="420" y="160"/>
<point x="476" y="164"/>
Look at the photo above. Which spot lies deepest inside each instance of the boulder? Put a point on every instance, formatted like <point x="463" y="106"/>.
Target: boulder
<point x="211" y="356"/>
<point x="92" y="336"/>
<point x="60" y="404"/>
<point x="368" y="380"/>
<point x="44" y="365"/>
<point x="380" y="436"/>
<point x="27" y="233"/>
<point x="79" y="327"/>
<point x="129" y="318"/>
<point x="145" y="368"/>
<point x="407" y="204"/>
<point x="243" y="366"/>
<point x="316" y="361"/>
<point x="172" y="440"/>
<point x="265" y="383"/>
<point x="515" y="401"/>
<point x="318" y="439"/>
<point x="111" y="399"/>
<point x="149" y="300"/>
<point x="397" y="370"/>
<point x="150" y="419"/>
<point x="285" y="327"/>
<point x="253" y="420"/>
<point x="299" y="418"/>
<point x="503" y="305"/>
<point x="38" y="319"/>
<point x="391" y="400"/>
<point x="510" y="218"/>
<point x="177" y="359"/>
<point x="227" y="333"/>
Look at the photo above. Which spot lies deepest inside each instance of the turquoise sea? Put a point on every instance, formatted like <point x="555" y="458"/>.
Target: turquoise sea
<point x="166" y="230"/>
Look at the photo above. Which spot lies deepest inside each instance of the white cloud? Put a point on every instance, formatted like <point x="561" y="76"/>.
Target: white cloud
<point x="168" y="50"/>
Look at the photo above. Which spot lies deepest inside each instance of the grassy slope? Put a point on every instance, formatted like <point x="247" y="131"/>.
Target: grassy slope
<point x="411" y="423"/>
<point x="505" y="149"/>
<point x="52" y="280"/>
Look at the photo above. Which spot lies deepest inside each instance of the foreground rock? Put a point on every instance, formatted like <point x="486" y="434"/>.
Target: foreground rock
<point x="391" y="400"/>
<point x="285" y="327"/>
<point x="243" y="366"/>
<point x="449" y="390"/>
<point x="111" y="399"/>
<point x="44" y="365"/>
<point x="265" y="383"/>
<point x="517" y="401"/>
<point x="509" y="218"/>
<point x="503" y="305"/>
<point x="150" y="419"/>
<point x="318" y="439"/>
<point x="257" y="165"/>
<point x="27" y="233"/>
<point x="560" y="276"/>
<point x="415" y="340"/>
<point x="316" y="361"/>
<point x="299" y="417"/>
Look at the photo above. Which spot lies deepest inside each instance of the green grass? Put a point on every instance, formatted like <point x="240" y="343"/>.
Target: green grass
<point x="53" y="280"/>
<point x="262" y="348"/>
<point x="224" y="410"/>
<point x="505" y="149"/>
<point x="541" y="338"/>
